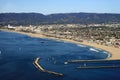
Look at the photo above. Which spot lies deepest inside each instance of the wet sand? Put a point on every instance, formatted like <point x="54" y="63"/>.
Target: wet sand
<point x="115" y="52"/>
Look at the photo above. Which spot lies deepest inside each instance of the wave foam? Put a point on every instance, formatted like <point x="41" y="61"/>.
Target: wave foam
<point x="92" y="49"/>
<point x="80" y="45"/>
<point x="105" y="52"/>
<point x="109" y="55"/>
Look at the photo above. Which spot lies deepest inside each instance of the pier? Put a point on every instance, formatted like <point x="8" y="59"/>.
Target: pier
<point x="93" y="67"/>
<point x="44" y="70"/>
<point x="101" y="60"/>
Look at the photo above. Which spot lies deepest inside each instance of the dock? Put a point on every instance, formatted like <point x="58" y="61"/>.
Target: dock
<point x="44" y="70"/>
<point x="95" y="67"/>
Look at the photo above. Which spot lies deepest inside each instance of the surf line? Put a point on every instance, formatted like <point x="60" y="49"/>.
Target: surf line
<point x="44" y="70"/>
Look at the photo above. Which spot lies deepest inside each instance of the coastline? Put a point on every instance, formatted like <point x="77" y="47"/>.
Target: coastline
<point x="114" y="52"/>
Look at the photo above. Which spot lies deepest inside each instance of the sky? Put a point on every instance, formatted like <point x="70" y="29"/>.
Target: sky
<point x="60" y="6"/>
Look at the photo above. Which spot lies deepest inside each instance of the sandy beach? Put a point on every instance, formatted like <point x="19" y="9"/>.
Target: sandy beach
<point x="115" y="52"/>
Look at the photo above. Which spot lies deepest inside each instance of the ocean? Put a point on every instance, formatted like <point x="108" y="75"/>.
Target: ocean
<point x="17" y="53"/>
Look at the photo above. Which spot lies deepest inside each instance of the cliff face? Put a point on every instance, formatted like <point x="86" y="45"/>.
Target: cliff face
<point x="37" y="18"/>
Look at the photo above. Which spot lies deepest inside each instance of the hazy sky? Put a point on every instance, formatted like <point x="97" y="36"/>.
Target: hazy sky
<point x="60" y="6"/>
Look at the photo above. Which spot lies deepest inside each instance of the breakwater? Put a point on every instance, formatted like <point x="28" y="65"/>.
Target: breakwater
<point x="101" y="60"/>
<point x="95" y="67"/>
<point x="44" y="70"/>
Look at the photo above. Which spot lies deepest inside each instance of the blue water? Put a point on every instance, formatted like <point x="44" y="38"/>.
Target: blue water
<point x="18" y="51"/>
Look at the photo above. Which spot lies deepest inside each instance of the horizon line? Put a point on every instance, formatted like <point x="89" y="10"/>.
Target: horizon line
<point x="62" y="13"/>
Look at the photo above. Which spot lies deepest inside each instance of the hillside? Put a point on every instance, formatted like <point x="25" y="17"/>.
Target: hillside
<point x="37" y="18"/>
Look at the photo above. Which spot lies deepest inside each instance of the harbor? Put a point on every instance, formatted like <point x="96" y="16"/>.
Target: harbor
<point x="75" y="61"/>
<point x="19" y="52"/>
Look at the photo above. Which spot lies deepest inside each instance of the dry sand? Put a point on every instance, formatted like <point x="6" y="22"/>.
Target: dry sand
<point x="115" y="52"/>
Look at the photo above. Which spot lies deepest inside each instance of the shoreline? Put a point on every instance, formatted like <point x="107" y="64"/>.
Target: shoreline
<point x="113" y="52"/>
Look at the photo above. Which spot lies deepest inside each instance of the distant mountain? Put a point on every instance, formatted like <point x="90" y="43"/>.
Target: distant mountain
<point x="37" y="18"/>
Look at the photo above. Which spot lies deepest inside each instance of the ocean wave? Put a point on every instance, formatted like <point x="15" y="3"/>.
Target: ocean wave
<point x="105" y="52"/>
<point x="109" y="55"/>
<point x="93" y="49"/>
<point x="0" y="55"/>
<point x="80" y="45"/>
<point x="65" y="42"/>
